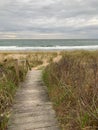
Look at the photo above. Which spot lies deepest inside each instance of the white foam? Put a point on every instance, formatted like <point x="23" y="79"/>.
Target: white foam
<point x="16" y="48"/>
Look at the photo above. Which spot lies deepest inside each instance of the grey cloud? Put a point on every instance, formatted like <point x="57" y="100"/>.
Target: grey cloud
<point x="51" y="16"/>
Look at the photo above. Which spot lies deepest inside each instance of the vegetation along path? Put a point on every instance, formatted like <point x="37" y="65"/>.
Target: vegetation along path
<point x="32" y="109"/>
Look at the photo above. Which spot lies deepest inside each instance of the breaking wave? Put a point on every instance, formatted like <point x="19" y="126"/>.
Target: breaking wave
<point x="16" y="48"/>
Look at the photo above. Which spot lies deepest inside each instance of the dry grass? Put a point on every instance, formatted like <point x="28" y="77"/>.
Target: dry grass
<point x="9" y="78"/>
<point x="39" y="58"/>
<point x="73" y="87"/>
<point x="34" y="58"/>
<point x="8" y="85"/>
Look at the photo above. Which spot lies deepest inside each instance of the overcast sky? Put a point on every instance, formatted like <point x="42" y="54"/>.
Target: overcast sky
<point x="49" y="19"/>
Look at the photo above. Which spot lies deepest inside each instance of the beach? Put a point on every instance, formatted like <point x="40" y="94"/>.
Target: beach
<point x="64" y="70"/>
<point x="70" y="78"/>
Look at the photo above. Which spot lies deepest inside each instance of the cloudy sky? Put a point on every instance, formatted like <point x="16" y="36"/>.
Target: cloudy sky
<point x="49" y="19"/>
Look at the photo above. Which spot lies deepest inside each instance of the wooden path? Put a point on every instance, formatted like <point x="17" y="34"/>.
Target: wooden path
<point x="32" y="109"/>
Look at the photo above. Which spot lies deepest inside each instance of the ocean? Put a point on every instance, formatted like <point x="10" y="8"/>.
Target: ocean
<point x="48" y="44"/>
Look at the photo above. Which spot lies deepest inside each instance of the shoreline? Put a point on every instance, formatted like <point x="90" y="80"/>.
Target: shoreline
<point x="28" y="52"/>
<point x="47" y="48"/>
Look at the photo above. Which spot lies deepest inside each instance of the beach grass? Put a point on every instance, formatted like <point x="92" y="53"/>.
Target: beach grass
<point x="71" y="78"/>
<point x="13" y="69"/>
<point x="73" y="88"/>
<point x="11" y="74"/>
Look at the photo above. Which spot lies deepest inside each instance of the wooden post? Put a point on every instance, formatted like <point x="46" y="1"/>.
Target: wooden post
<point x="17" y="70"/>
<point x="23" y="65"/>
<point x="28" y="65"/>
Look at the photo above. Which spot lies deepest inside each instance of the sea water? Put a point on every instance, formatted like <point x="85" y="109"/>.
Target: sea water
<point x="48" y="44"/>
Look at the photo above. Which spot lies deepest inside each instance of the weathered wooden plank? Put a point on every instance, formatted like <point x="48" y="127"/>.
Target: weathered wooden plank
<point x="32" y="109"/>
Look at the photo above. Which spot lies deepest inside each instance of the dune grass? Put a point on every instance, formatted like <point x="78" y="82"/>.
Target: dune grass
<point x="12" y="73"/>
<point x="73" y="87"/>
<point x="34" y="58"/>
<point x="9" y="83"/>
<point x="39" y="58"/>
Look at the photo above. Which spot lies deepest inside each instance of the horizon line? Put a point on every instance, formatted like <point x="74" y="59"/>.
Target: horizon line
<point x="49" y="39"/>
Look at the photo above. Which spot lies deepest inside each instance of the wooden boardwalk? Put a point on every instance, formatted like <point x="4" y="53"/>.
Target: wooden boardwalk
<point x="32" y="109"/>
